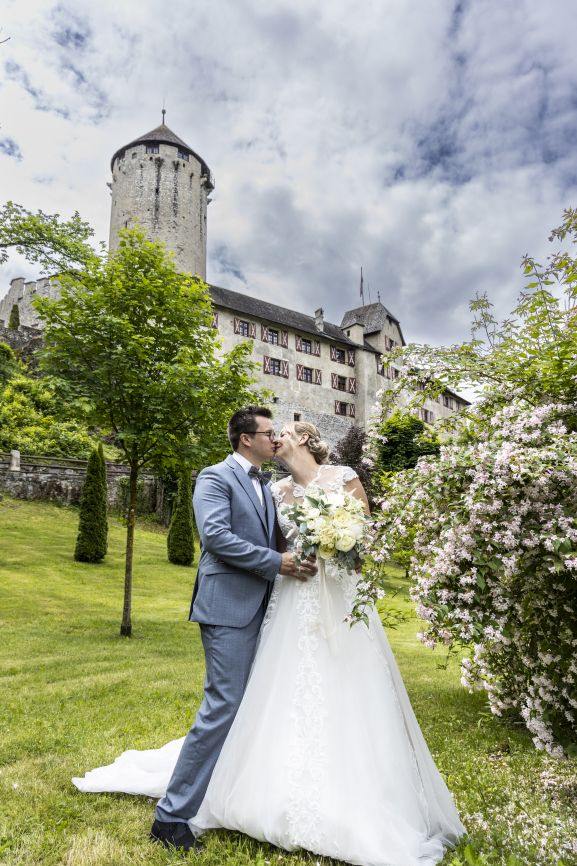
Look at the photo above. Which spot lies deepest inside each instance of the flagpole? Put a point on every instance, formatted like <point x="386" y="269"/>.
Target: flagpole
<point x="362" y="288"/>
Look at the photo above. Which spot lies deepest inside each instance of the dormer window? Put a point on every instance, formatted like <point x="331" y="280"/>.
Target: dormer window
<point x="152" y="148"/>
<point x="182" y="154"/>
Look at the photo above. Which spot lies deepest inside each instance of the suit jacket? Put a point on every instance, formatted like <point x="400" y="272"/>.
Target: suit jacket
<point x="239" y="560"/>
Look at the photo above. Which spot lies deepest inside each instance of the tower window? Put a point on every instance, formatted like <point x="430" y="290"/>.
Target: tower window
<point x="182" y="154"/>
<point x="296" y="416"/>
<point x="152" y="148"/>
<point x="134" y="154"/>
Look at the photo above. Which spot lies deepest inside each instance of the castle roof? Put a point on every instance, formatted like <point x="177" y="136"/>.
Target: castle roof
<point x="266" y="312"/>
<point x="163" y="135"/>
<point x="372" y="316"/>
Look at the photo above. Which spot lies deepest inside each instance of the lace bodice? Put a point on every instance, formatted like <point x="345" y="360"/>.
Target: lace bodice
<point x="329" y="477"/>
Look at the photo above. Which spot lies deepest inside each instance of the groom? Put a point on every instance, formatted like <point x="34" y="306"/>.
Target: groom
<point x="235" y="517"/>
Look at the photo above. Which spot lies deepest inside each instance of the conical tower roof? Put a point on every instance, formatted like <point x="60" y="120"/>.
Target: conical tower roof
<point x="163" y="135"/>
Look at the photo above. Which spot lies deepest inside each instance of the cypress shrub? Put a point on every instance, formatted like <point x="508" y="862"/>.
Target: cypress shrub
<point x="14" y="320"/>
<point x="180" y="541"/>
<point x="92" y="540"/>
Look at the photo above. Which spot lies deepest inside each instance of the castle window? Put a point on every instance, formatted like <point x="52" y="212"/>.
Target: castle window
<point x="307" y="346"/>
<point x="243" y="328"/>
<point x="272" y="336"/>
<point x="296" y="416"/>
<point x="134" y="154"/>
<point x="308" y="375"/>
<point x="340" y="407"/>
<point x="152" y="148"/>
<point x="427" y="416"/>
<point x="338" y="355"/>
<point x="182" y="154"/>
<point x="275" y="367"/>
<point x="341" y="383"/>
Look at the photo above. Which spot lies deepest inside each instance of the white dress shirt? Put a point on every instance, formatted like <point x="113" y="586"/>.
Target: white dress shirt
<point x="247" y="465"/>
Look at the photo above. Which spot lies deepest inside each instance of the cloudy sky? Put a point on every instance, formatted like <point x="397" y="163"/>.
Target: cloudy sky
<point x="433" y="142"/>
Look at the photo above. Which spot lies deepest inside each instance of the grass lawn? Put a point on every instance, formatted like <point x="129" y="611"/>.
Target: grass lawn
<point x="74" y="695"/>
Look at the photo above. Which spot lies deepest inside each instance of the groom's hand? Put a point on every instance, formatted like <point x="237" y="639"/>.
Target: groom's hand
<point x="300" y="570"/>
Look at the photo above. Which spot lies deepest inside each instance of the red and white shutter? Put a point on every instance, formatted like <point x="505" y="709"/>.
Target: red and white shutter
<point x="299" y="372"/>
<point x="284" y="339"/>
<point x="266" y="364"/>
<point x="252" y="330"/>
<point x="318" y="377"/>
<point x="317" y="348"/>
<point x="298" y="343"/>
<point x="334" y="379"/>
<point x="352" y="385"/>
<point x="333" y="355"/>
<point x="351" y="410"/>
<point x="351" y="357"/>
<point x="215" y="320"/>
<point x="284" y="369"/>
<point x="236" y="325"/>
<point x="337" y="407"/>
<point x="264" y="333"/>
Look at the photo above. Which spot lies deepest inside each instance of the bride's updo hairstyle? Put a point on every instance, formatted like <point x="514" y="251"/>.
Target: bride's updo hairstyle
<point x="317" y="446"/>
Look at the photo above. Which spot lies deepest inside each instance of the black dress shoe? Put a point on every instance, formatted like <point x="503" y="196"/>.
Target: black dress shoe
<point x="175" y="834"/>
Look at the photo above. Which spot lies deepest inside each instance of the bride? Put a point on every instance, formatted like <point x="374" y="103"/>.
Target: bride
<point x="325" y="752"/>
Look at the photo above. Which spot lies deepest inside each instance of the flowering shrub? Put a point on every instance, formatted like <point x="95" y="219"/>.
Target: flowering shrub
<point x="495" y="561"/>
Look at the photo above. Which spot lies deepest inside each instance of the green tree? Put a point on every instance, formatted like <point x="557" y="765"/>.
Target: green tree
<point x="134" y="337"/>
<point x="92" y="539"/>
<point x="14" y="320"/>
<point x="402" y="440"/>
<point x="180" y="541"/>
<point x="9" y="365"/>
<point x="57" y="245"/>
<point x="34" y="417"/>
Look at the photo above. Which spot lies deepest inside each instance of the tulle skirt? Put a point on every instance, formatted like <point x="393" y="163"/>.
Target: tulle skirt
<point x="325" y="752"/>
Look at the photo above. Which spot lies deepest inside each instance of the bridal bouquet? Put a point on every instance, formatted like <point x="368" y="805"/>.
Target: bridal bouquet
<point x="331" y="526"/>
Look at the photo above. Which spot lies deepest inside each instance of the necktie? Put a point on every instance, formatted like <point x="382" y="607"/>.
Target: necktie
<point x="263" y="477"/>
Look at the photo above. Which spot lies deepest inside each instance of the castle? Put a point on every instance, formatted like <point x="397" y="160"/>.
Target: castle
<point x="329" y="374"/>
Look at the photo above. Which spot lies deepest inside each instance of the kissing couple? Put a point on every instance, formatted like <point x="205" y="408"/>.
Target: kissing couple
<point x="301" y="741"/>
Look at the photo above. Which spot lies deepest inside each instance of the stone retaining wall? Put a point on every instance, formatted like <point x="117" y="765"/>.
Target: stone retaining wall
<point x="60" y="480"/>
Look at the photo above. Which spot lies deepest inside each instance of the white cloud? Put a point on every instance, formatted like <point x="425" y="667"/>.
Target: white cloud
<point x="431" y="143"/>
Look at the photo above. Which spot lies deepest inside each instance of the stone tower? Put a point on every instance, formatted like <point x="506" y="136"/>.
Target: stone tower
<point x="161" y="184"/>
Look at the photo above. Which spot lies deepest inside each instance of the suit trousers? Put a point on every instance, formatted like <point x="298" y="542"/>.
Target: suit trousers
<point x="229" y="654"/>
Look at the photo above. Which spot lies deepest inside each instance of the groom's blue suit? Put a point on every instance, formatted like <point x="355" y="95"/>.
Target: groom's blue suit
<point x="237" y="567"/>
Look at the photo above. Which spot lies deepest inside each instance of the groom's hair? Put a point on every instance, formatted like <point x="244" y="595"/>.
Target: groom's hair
<point x="244" y="421"/>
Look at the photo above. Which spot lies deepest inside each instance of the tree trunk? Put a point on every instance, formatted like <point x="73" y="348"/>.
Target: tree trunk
<point x="126" y="627"/>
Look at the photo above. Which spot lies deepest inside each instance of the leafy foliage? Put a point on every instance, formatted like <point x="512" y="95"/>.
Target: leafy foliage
<point x="180" y="539"/>
<point x="57" y="245"/>
<point x="14" y="320"/>
<point x="9" y="365"/>
<point x="92" y="539"/>
<point x="35" y="420"/>
<point x="401" y="440"/>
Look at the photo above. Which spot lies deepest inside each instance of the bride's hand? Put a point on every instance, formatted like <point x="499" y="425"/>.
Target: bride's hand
<point x="300" y="570"/>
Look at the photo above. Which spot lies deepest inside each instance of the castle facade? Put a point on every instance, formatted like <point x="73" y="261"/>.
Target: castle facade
<point x="323" y="372"/>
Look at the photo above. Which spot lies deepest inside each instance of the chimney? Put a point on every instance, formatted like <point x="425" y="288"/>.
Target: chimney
<point x="319" y="320"/>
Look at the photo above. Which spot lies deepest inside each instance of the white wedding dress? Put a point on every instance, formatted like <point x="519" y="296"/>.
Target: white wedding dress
<point x="325" y="752"/>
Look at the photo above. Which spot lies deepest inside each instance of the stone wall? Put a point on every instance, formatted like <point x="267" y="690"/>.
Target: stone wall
<point x="23" y="293"/>
<point x="60" y="480"/>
